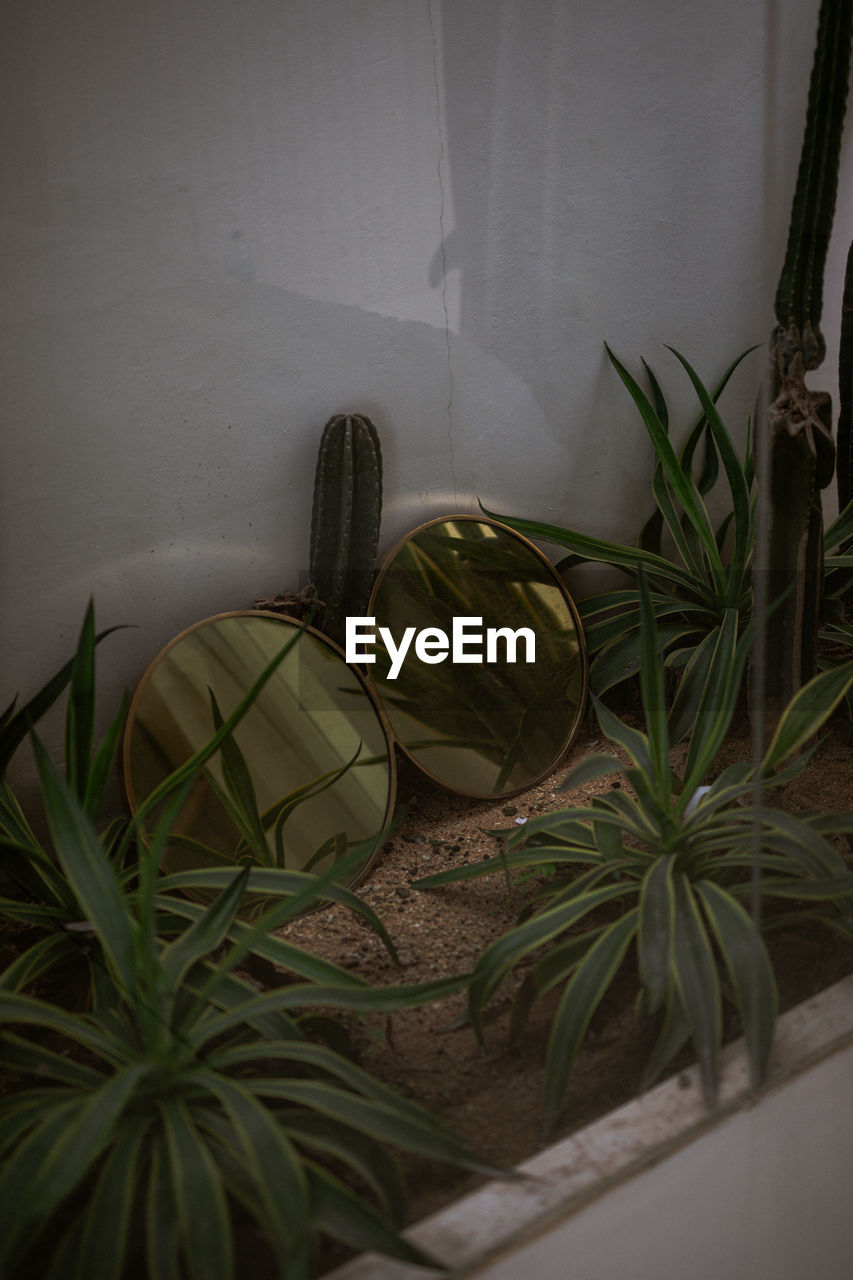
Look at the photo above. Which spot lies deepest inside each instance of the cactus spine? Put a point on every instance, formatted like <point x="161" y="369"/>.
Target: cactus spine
<point x="345" y="520"/>
<point x="801" y="452"/>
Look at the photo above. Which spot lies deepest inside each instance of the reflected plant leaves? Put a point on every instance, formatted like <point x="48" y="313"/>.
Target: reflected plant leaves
<point x="309" y="772"/>
<point x="309" y="767"/>
<point x="481" y="729"/>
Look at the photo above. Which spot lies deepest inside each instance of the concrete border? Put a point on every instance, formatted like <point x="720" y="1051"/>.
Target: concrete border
<point x="567" y="1176"/>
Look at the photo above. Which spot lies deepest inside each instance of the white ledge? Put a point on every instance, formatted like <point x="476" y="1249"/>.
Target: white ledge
<point x="501" y="1217"/>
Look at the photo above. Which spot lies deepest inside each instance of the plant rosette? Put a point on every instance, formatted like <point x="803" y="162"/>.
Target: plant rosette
<point x="187" y="1103"/>
<point x="695" y="578"/>
<point x="47" y="900"/>
<point x="665" y="873"/>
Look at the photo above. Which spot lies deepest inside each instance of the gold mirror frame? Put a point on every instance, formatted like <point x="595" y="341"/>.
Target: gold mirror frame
<point x="171" y="716"/>
<point x="514" y="729"/>
<point x="517" y="723"/>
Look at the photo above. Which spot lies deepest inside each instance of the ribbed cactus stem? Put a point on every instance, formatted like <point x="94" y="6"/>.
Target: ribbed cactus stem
<point x="801" y="451"/>
<point x="799" y="295"/>
<point x="346" y="517"/>
<point x="844" y="463"/>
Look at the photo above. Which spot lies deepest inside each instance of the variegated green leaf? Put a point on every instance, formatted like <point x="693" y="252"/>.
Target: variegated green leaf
<point x="583" y="994"/>
<point x="348" y="1218"/>
<point x="202" y="1209"/>
<point x="103" y="1248"/>
<point x="268" y="1158"/>
<point x="749" y="968"/>
<point x="806" y="712"/>
<point x="655" y="931"/>
<point x="89" y="873"/>
<point x="697" y="981"/>
<point x="681" y="482"/>
<point x="499" y="958"/>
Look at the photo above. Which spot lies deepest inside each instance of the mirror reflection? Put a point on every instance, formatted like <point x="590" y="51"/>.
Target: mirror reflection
<point x="306" y="774"/>
<point x="493" y="727"/>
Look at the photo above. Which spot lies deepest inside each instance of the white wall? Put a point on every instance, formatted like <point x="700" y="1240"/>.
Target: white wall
<point x="758" y="1198"/>
<point x="224" y="220"/>
<point x="663" y="1189"/>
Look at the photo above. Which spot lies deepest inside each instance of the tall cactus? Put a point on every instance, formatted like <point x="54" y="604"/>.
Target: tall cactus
<point x="844" y="464"/>
<point x="799" y="294"/>
<point x="345" y="520"/>
<point x="799" y="421"/>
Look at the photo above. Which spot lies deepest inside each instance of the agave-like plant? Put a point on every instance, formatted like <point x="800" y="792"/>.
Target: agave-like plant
<point x="665" y="874"/>
<point x="51" y="904"/>
<point x="48" y="902"/>
<point x="16" y="722"/>
<point x="186" y="1105"/>
<point x="695" y="579"/>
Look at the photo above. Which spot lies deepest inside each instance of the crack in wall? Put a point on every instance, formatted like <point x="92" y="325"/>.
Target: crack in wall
<point x="439" y="168"/>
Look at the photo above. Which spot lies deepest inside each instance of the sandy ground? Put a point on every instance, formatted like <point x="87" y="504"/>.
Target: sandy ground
<point x="492" y="1095"/>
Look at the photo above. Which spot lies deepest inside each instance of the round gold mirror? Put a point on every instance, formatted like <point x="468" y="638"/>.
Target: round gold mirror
<point x="308" y="771"/>
<point x="490" y="689"/>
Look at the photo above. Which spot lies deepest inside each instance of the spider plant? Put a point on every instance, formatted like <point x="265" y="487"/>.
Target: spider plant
<point x="695" y="584"/>
<point x="660" y="877"/>
<point x="156" y="1134"/>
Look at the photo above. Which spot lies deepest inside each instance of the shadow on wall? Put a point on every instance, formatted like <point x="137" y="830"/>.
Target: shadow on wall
<point x="586" y="174"/>
<point x="184" y="487"/>
<point x="507" y="243"/>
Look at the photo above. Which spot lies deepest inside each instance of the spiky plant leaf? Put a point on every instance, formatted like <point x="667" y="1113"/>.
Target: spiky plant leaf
<point x="581" y="998"/>
<point x="749" y="968"/>
<point x="90" y="876"/>
<point x="806" y="712"/>
<point x="698" y="985"/>
<point x="655" y="931"/>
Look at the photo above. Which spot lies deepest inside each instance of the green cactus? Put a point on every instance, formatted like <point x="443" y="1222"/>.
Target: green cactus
<point x="844" y="464"/>
<point x="799" y="295"/>
<point x="801" y="452"/>
<point x="345" y="520"/>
